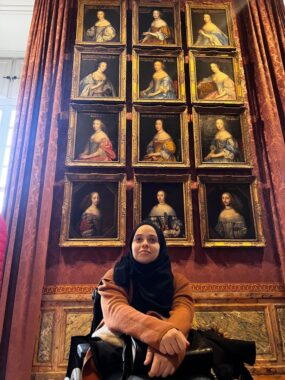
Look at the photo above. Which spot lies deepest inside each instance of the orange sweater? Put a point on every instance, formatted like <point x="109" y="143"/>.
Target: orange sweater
<point x="120" y="317"/>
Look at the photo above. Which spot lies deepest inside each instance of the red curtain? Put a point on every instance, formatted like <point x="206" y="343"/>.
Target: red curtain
<point x="30" y="190"/>
<point x="262" y="27"/>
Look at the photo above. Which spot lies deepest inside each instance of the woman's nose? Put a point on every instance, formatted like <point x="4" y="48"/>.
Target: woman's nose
<point x="145" y="242"/>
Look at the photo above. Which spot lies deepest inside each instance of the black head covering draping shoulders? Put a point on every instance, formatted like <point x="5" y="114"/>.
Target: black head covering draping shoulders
<point x="152" y="283"/>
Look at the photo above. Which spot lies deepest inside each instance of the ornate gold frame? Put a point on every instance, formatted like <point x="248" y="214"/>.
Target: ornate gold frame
<point x="80" y="19"/>
<point x="206" y="241"/>
<point x="193" y="76"/>
<point x="71" y="178"/>
<point x="137" y="111"/>
<point x="78" y="52"/>
<point x="187" y="203"/>
<point x="189" y="30"/>
<point x="100" y="109"/>
<point x="135" y="20"/>
<point x="199" y="163"/>
<point x="159" y="54"/>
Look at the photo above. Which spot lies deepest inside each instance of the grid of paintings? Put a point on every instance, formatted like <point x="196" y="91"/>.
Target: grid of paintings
<point x="139" y="128"/>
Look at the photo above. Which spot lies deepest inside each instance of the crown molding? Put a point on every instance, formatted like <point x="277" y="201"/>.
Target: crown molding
<point x="17" y="9"/>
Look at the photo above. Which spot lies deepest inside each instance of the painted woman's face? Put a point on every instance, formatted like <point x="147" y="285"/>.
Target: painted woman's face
<point x="97" y="124"/>
<point x="157" y="65"/>
<point x="100" y="15"/>
<point x="226" y="199"/>
<point x="207" y="18"/>
<point x="145" y="245"/>
<point x="95" y="199"/>
<point x="214" y="67"/>
<point x="103" y="66"/>
<point x="156" y="14"/>
<point x="220" y="124"/>
<point x="161" y="196"/>
<point x="158" y="125"/>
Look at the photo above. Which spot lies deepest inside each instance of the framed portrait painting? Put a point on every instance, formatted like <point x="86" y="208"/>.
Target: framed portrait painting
<point x="221" y="137"/>
<point x="158" y="77"/>
<point x="160" y="138"/>
<point x="209" y="26"/>
<point x="215" y="78"/>
<point x="165" y="200"/>
<point x="101" y="22"/>
<point x="156" y="25"/>
<point x="230" y="213"/>
<point x="94" y="210"/>
<point x="99" y="74"/>
<point x="96" y="135"/>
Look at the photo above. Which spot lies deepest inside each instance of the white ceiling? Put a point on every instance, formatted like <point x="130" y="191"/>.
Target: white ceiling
<point x="15" y="19"/>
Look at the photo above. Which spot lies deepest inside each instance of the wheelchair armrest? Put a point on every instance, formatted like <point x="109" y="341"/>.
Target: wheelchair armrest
<point x="82" y="349"/>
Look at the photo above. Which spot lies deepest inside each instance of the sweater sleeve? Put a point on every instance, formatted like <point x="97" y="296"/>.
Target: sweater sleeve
<point x="182" y="311"/>
<point x="120" y="317"/>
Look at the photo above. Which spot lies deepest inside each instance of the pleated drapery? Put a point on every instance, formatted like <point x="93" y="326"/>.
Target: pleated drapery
<point x="262" y="32"/>
<point x="30" y="188"/>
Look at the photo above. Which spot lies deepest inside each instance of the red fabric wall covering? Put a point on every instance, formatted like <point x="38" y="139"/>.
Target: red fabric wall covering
<point x="79" y="265"/>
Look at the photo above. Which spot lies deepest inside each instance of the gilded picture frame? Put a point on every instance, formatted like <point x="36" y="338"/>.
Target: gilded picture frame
<point x="148" y="66"/>
<point x="230" y="212"/>
<point x="162" y="20"/>
<point x="209" y="26"/>
<point x="94" y="210"/>
<point x="165" y="200"/>
<point x="215" y="78"/>
<point x="99" y="74"/>
<point x="90" y="144"/>
<point x="101" y="22"/>
<point x="160" y="138"/>
<point x="221" y="137"/>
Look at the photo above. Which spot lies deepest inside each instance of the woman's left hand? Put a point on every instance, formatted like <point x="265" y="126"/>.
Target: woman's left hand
<point x="162" y="365"/>
<point x="173" y="342"/>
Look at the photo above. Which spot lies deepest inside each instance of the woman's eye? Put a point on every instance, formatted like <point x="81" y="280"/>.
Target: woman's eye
<point x="152" y="240"/>
<point x="138" y="240"/>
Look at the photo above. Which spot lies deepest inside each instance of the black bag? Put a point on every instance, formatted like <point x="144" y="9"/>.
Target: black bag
<point x="198" y="360"/>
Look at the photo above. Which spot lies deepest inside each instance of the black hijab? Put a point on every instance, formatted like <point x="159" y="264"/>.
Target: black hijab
<point x="152" y="283"/>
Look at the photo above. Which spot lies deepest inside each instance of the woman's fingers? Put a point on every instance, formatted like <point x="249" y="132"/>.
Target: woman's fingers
<point x="155" y="367"/>
<point x="149" y="357"/>
<point x="173" y="342"/>
<point x="161" y="366"/>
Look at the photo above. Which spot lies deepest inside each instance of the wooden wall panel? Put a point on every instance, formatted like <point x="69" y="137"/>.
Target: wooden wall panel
<point x="248" y="315"/>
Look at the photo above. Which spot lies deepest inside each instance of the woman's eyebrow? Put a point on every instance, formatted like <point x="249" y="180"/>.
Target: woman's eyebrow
<point x="152" y="235"/>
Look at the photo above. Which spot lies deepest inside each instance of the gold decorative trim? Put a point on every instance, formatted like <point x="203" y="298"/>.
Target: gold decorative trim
<point x="266" y="287"/>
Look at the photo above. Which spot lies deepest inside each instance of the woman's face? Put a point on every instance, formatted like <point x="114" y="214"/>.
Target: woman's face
<point x="214" y="67"/>
<point x="226" y="199"/>
<point x="157" y="65"/>
<point x="97" y="125"/>
<point x="161" y="196"/>
<point x="145" y="245"/>
<point x="156" y="14"/>
<point x="100" y="15"/>
<point x="159" y="125"/>
<point x="220" y="124"/>
<point x="207" y="18"/>
<point x="95" y="199"/>
<point x="102" y="66"/>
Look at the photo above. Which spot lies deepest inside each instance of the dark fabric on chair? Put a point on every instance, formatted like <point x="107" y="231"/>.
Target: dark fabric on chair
<point x="74" y="361"/>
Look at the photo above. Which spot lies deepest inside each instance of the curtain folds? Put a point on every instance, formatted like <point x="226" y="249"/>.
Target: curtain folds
<point x="261" y="26"/>
<point x="30" y="189"/>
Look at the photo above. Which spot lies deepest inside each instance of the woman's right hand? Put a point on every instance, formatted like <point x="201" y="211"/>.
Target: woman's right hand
<point x="161" y="365"/>
<point x="173" y="342"/>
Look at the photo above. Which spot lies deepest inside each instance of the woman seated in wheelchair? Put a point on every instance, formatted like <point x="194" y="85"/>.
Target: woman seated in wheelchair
<point x="142" y="298"/>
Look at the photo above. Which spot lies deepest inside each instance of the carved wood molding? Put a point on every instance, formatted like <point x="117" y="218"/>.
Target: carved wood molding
<point x="248" y="290"/>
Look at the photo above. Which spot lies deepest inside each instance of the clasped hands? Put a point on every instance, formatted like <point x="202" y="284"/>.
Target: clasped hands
<point x="163" y="360"/>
